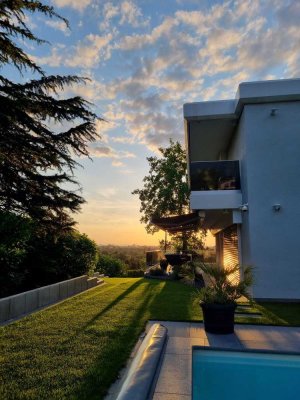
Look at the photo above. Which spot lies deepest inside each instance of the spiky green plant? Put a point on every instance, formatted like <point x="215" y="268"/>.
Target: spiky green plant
<point x="222" y="289"/>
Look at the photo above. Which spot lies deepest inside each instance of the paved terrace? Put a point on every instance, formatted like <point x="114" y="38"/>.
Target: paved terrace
<point x="175" y="377"/>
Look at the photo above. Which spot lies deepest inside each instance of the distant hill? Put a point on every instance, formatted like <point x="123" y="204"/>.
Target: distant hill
<point x="133" y="246"/>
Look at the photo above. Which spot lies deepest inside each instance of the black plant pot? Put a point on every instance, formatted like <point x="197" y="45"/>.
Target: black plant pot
<point x="218" y="318"/>
<point x="175" y="259"/>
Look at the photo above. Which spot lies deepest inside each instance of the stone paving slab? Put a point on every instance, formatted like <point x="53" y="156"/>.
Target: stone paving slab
<point x="265" y="333"/>
<point x="284" y="346"/>
<point x="225" y="341"/>
<point x="182" y="345"/>
<point x="177" y="329"/>
<point x="166" y="396"/>
<point x="197" y="331"/>
<point x="175" y="375"/>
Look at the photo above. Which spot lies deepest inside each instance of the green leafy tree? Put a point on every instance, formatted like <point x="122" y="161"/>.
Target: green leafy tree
<point x="166" y="193"/>
<point x="36" y="156"/>
<point x="194" y="241"/>
<point x="15" y="233"/>
<point x="29" y="260"/>
<point x="52" y="259"/>
<point x="110" y="265"/>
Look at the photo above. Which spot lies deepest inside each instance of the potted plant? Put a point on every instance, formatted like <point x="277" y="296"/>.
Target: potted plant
<point x="218" y="299"/>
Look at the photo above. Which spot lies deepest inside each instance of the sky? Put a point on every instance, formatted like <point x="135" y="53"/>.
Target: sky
<point x="145" y="59"/>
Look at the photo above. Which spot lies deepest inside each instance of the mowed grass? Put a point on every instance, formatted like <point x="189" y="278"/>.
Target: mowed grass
<point x="281" y="313"/>
<point x="74" y="350"/>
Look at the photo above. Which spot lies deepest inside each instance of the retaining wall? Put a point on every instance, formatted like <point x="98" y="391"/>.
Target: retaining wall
<point x="15" y="306"/>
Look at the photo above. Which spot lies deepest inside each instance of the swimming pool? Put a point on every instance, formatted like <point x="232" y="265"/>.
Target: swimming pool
<point x="243" y="375"/>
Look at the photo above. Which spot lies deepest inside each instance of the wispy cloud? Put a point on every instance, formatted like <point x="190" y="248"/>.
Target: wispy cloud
<point x="117" y="164"/>
<point x="190" y="54"/>
<point x="58" y="25"/>
<point x="86" y="53"/>
<point x="76" y="4"/>
<point x="109" y="152"/>
<point x="125" y="13"/>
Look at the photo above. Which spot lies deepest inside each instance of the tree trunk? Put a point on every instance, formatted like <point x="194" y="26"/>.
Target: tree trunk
<point x="184" y="241"/>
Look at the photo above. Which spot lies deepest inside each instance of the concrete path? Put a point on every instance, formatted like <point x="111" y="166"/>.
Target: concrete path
<point x="175" y="377"/>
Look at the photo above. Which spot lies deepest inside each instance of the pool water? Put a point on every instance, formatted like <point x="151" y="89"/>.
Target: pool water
<point x="238" y="375"/>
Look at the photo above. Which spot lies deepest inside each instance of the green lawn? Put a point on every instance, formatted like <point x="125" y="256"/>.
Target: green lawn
<point x="75" y="349"/>
<point x="281" y="313"/>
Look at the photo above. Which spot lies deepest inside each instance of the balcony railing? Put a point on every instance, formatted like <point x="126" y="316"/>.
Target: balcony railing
<point x="215" y="175"/>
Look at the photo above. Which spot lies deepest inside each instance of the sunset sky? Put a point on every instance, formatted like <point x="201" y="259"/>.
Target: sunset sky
<point x="145" y="59"/>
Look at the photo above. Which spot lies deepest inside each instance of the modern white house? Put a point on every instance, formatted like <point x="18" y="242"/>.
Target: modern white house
<point x="244" y="170"/>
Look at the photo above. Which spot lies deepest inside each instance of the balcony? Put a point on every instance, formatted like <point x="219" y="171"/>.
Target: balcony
<point x="215" y="185"/>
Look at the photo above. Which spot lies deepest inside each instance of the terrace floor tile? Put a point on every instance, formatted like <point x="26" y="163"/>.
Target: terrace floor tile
<point x="176" y="375"/>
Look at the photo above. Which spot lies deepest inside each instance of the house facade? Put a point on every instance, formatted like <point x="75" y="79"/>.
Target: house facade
<point x="244" y="171"/>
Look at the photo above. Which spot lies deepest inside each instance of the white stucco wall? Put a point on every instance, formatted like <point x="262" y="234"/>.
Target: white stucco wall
<point x="237" y="151"/>
<point x="269" y="150"/>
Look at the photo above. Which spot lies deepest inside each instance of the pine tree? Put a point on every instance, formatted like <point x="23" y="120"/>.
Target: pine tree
<point x="36" y="161"/>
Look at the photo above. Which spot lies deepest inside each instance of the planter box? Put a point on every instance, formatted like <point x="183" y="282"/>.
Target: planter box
<point x="218" y="318"/>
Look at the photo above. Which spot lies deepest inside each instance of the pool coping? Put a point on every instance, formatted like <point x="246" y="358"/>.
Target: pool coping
<point x="142" y="372"/>
<point x="263" y="351"/>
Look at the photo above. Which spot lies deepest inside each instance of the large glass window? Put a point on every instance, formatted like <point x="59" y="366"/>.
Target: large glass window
<point x="215" y="175"/>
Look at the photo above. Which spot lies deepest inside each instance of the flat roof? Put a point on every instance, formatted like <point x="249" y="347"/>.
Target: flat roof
<point x="247" y="93"/>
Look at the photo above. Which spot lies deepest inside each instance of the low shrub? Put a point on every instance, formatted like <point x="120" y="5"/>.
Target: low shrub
<point x="135" y="273"/>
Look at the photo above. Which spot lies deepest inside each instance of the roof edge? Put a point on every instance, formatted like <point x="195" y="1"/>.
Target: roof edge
<point x="247" y="93"/>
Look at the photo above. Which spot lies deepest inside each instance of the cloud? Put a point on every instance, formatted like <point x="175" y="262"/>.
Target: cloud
<point x="136" y="42"/>
<point x="117" y="164"/>
<point x="126" y="13"/>
<point x="54" y="59"/>
<point x="200" y="55"/>
<point x="122" y="139"/>
<point x="58" y="25"/>
<point x="190" y="55"/>
<point x="289" y="14"/>
<point x="109" y="152"/>
<point x="107" y="193"/>
<point x="87" y="53"/>
<point x="131" y="14"/>
<point x="76" y="4"/>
